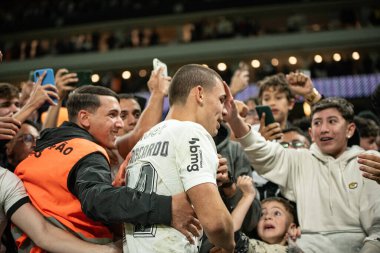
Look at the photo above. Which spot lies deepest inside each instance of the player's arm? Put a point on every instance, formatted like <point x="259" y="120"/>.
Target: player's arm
<point x="213" y="215"/>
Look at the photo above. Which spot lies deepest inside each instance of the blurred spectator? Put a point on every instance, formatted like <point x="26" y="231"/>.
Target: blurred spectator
<point x="369" y="132"/>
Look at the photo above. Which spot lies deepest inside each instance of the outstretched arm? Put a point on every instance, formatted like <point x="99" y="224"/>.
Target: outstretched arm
<point x="39" y="95"/>
<point x="236" y="122"/>
<point x="158" y="86"/>
<point x="302" y="85"/>
<point x="245" y="183"/>
<point x="62" y="80"/>
<point x="51" y="238"/>
<point x="239" y="81"/>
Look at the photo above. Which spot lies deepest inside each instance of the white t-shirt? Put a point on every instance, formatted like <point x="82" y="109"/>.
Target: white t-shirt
<point x="171" y="158"/>
<point x="11" y="191"/>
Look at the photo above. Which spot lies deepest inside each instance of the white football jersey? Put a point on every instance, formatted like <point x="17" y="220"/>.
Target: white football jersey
<point x="171" y="158"/>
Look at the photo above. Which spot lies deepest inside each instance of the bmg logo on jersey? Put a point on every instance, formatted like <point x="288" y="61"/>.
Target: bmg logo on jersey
<point x="196" y="160"/>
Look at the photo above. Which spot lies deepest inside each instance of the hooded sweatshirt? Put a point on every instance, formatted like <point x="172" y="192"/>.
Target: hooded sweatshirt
<point x="238" y="165"/>
<point x="334" y="201"/>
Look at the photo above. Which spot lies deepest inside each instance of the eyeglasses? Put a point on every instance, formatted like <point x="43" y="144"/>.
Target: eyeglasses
<point x="294" y="144"/>
<point x="28" y="139"/>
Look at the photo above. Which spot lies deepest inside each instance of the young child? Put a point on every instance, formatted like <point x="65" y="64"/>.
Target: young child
<point x="344" y="206"/>
<point x="276" y="93"/>
<point x="276" y="224"/>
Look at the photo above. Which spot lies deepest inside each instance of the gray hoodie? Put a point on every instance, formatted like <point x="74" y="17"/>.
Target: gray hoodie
<point x="338" y="209"/>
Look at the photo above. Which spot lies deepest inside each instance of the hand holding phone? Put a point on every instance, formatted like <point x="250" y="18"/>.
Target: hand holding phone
<point x="269" y="130"/>
<point x="157" y="64"/>
<point x="84" y="78"/>
<point x="45" y="85"/>
<point x="269" y="119"/>
<point x="48" y="79"/>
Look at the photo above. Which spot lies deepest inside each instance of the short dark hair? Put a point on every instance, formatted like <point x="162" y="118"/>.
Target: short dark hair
<point x="139" y="99"/>
<point x="277" y="82"/>
<point x="288" y="207"/>
<point x="345" y="108"/>
<point x="369" y="115"/>
<point x="8" y="91"/>
<point x="366" y="127"/>
<point x="294" y="129"/>
<point x="34" y="124"/>
<point x="86" y="97"/>
<point x="297" y="130"/>
<point x="188" y="77"/>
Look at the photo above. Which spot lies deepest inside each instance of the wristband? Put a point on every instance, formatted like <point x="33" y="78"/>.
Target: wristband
<point x="313" y="98"/>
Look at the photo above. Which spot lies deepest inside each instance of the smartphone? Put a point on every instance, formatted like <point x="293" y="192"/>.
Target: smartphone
<point x="269" y="119"/>
<point x="84" y="78"/>
<point x="48" y="79"/>
<point x="157" y="64"/>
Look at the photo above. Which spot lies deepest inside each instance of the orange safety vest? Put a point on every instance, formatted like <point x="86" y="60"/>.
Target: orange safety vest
<point x="45" y="175"/>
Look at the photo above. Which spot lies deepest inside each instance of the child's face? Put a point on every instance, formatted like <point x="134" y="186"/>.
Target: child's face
<point x="278" y="102"/>
<point x="274" y="223"/>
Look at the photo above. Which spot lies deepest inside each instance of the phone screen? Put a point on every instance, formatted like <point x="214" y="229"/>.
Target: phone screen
<point x="84" y="78"/>
<point x="49" y="77"/>
<point x="269" y="119"/>
<point x="157" y="64"/>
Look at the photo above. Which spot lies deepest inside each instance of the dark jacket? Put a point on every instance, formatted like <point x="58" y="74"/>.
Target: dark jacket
<point x="90" y="181"/>
<point x="238" y="165"/>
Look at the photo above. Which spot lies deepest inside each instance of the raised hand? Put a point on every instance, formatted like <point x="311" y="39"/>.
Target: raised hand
<point x="184" y="218"/>
<point x="229" y="104"/>
<point x="300" y="83"/>
<point x="242" y="108"/>
<point x="41" y="94"/>
<point x="239" y="81"/>
<point x="245" y="183"/>
<point x="222" y="172"/>
<point x="63" y="79"/>
<point x="9" y="127"/>
<point x="159" y="83"/>
<point x="271" y="131"/>
<point x="232" y="117"/>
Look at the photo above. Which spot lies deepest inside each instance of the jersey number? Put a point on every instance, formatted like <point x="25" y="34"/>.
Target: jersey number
<point x="146" y="183"/>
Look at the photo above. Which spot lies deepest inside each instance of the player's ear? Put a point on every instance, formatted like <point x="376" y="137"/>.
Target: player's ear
<point x="199" y="94"/>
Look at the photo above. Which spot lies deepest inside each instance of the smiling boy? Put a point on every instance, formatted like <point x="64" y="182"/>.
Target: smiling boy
<point x="335" y="203"/>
